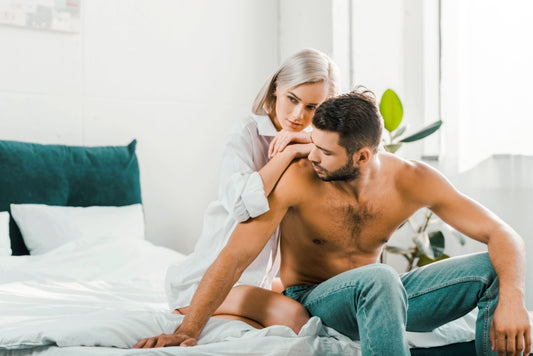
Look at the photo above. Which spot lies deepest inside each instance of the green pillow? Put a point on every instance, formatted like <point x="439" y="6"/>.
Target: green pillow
<point x="66" y="176"/>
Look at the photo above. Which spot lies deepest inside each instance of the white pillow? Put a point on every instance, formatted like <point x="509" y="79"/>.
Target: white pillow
<point x="46" y="227"/>
<point x="5" y="242"/>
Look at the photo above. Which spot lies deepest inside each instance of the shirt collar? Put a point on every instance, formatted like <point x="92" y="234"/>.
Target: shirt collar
<point x="264" y="125"/>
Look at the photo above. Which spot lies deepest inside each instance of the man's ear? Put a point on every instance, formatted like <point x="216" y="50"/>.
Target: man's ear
<point x="362" y="156"/>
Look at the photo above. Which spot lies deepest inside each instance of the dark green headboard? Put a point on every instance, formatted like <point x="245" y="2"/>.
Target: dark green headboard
<point x="66" y="176"/>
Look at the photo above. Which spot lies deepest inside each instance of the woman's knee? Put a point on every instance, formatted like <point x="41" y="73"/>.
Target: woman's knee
<point x="286" y="311"/>
<point x="265" y="307"/>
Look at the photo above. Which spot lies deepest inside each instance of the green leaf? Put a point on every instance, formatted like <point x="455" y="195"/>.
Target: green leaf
<point x="425" y="260"/>
<point x="460" y="237"/>
<point x="399" y="132"/>
<point x="421" y="240"/>
<point x="391" y="110"/>
<point x="426" y="131"/>
<point x="437" y="242"/>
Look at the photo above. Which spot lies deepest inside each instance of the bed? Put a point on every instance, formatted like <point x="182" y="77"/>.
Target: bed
<point x="78" y="277"/>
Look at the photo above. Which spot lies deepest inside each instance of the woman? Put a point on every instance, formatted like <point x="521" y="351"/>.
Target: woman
<point x="283" y="108"/>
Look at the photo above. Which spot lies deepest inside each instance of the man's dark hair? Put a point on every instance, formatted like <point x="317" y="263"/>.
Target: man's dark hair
<point x="355" y="117"/>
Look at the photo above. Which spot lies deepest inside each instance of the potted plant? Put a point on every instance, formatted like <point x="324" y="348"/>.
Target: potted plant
<point x="391" y="110"/>
<point x="428" y="243"/>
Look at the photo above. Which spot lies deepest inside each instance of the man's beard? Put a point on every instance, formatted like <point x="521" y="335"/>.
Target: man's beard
<point x="346" y="173"/>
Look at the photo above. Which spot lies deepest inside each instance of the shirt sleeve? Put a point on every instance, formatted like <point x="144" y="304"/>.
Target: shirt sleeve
<point x="241" y="190"/>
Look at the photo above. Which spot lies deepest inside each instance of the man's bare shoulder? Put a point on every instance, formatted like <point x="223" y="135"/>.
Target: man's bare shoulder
<point x="405" y="169"/>
<point x="296" y="179"/>
<point x="415" y="179"/>
<point x="300" y="171"/>
<point x="301" y="168"/>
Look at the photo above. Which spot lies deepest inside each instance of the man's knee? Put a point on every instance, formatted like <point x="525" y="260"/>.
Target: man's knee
<point x="377" y="281"/>
<point x="479" y="264"/>
<point x="383" y="276"/>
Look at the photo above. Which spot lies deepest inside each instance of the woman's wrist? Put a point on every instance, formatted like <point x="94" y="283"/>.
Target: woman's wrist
<point x="291" y="152"/>
<point x="287" y="153"/>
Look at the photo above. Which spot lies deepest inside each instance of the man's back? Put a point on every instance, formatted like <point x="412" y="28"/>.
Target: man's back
<point x="329" y="229"/>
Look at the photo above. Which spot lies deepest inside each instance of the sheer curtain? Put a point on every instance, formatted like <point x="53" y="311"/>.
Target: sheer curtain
<point x="486" y="80"/>
<point x="487" y="107"/>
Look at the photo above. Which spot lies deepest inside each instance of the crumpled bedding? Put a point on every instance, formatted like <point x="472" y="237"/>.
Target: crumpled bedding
<point x="102" y="296"/>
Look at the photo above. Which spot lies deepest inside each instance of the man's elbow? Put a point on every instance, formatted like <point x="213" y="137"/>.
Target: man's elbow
<point x="504" y="232"/>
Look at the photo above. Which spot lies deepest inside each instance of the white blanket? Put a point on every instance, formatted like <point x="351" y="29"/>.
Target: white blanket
<point x="110" y="294"/>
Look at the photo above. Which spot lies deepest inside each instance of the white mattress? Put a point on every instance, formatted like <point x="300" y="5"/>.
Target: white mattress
<point x="101" y="297"/>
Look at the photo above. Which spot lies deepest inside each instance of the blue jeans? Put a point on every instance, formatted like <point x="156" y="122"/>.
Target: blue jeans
<point x="376" y="305"/>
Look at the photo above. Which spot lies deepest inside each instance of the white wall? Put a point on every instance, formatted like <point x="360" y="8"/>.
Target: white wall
<point x="395" y="48"/>
<point x="173" y="74"/>
<point x="321" y="24"/>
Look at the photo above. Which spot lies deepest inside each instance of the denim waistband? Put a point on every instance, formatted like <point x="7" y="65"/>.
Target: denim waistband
<point x="295" y="292"/>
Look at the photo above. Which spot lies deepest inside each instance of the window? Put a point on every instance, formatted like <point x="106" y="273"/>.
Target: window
<point x="486" y="79"/>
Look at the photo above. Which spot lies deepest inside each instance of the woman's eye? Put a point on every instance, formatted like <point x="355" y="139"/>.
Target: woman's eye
<point x="311" y="107"/>
<point x="293" y="100"/>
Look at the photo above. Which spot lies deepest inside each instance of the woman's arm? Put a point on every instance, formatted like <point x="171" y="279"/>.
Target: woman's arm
<point x="244" y="184"/>
<point x="241" y="190"/>
<point x="273" y="170"/>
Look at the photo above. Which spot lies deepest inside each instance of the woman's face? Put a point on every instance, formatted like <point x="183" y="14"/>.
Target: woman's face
<point x="296" y="106"/>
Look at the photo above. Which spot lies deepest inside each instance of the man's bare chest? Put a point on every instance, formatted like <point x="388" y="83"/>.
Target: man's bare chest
<point x="341" y="225"/>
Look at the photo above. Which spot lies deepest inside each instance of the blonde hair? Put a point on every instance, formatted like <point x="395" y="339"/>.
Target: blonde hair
<point x="308" y="66"/>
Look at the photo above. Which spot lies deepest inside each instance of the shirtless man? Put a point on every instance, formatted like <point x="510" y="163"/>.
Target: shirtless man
<point x="337" y="210"/>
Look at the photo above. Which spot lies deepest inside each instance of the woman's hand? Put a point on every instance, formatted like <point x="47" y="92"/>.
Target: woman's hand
<point x="283" y="138"/>
<point x="299" y="150"/>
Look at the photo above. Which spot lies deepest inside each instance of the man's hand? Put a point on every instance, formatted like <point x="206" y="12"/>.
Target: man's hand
<point x="164" y="340"/>
<point x="510" y="331"/>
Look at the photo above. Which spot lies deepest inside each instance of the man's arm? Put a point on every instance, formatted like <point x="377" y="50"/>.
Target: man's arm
<point x="244" y="245"/>
<point x="506" y="251"/>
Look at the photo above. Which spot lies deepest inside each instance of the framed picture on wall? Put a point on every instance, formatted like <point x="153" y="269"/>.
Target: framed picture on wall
<point x="52" y="15"/>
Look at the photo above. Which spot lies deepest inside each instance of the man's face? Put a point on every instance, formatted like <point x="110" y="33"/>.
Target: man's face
<point x="329" y="159"/>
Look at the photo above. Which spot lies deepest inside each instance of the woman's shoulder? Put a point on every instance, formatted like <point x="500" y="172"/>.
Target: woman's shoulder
<point x="255" y="125"/>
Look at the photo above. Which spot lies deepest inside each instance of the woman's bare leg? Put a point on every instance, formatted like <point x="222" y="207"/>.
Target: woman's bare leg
<point x="260" y="307"/>
<point x="255" y="324"/>
<point x="277" y="286"/>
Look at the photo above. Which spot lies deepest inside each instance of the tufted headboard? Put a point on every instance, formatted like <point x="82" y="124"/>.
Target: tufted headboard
<point x="66" y="176"/>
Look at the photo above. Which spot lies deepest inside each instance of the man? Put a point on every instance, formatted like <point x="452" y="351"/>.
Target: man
<point x="337" y="210"/>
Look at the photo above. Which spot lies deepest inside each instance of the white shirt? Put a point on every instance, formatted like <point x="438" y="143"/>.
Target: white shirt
<point x="241" y="196"/>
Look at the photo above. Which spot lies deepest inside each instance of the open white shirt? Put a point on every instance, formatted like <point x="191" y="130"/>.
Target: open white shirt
<point x="241" y="196"/>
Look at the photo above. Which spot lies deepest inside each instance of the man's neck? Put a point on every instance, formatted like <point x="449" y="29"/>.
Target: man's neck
<point x="367" y="179"/>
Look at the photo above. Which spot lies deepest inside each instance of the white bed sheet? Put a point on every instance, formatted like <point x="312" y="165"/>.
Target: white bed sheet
<point x="105" y="295"/>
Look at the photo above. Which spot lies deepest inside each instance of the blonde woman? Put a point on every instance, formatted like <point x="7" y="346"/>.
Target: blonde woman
<point x="257" y="152"/>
